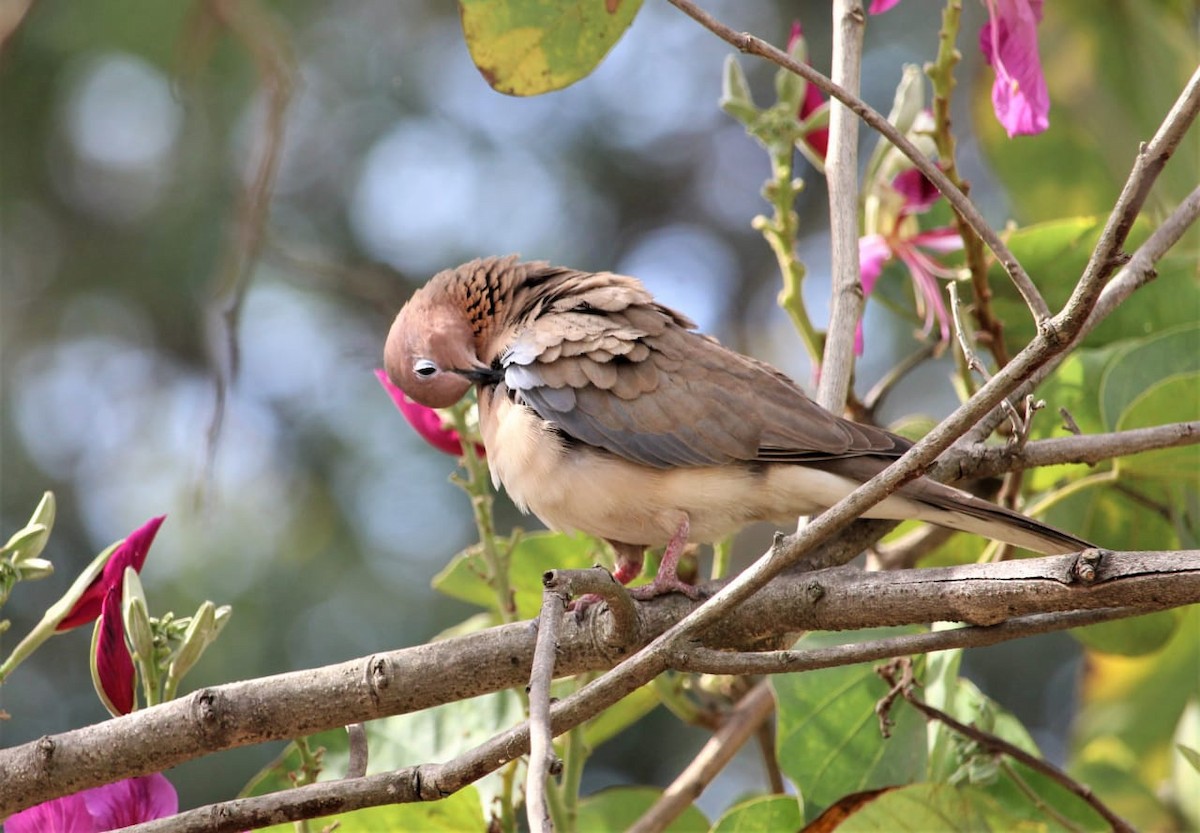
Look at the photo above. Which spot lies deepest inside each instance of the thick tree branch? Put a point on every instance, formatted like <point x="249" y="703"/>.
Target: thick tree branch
<point x="841" y="174"/>
<point x="412" y="679"/>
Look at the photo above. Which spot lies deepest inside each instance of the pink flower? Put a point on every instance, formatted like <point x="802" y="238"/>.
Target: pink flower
<point x="99" y="809"/>
<point x="425" y="421"/>
<point x="814" y="99"/>
<point x="905" y="241"/>
<point x="131" y="553"/>
<point x="1009" y="43"/>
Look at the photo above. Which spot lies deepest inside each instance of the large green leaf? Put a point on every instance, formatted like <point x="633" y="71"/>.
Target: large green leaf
<point x="930" y="808"/>
<point x="621" y="715"/>
<point x="828" y="738"/>
<point x="536" y="552"/>
<point x="527" y="47"/>
<point x="439" y="734"/>
<point x="1162" y="357"/>
<point x="453" y="814"/>
<point x="1054" y="253"/>
<point x="615" y="810"/>
<point x="771" y="812"/>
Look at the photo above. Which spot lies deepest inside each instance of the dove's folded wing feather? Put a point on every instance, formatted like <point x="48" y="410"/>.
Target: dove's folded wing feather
<point x="612" y="369"/>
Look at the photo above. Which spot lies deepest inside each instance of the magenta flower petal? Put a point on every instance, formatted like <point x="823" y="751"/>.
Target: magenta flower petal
<point x="881" y="6"/>
<point x="918" y="191"/>
<point x="425" y="421"/>
<point x="817" y="139"/>
<point x="1009" y="43"/>
<point x="132" y="801"/>
<point x="131" y="553"/>
<point x="943" y="239"/>
<point x="873" y="252"/>
<point x="114" y="665"/>
<point x="68" y="814"/>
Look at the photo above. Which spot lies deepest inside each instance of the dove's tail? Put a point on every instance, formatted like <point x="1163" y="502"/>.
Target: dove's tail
<point x="946" y="506"/>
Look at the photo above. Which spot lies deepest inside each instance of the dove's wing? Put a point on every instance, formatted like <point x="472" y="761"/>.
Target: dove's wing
<point x="627" y="375"/>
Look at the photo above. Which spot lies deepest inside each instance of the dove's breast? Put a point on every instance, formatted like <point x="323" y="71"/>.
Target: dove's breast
<point x="573" y="486"/>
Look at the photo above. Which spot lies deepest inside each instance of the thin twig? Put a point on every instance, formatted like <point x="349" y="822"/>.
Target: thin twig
<point x="542" y="759"/>
<point x="266" y="42"/>
<point x="896" y="374"/>
<point x="740" y="725"/>
<point x="841" y="174"/>
<point x="990" y="460"/>
<point x="972" y="359"/>
<point x="902" y="683"/>
<point x="356" y="765"/>
<point x="755" y="46"/>
<point x="701" y="660"/>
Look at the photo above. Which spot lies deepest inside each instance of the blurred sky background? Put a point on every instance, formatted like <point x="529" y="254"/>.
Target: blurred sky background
<point x="125" y="143"/>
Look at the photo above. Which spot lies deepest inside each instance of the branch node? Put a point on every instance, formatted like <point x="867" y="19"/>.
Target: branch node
<point x="814" y="591"/>
<point x="45" y="749"/>
<point x="1087" y="565"/>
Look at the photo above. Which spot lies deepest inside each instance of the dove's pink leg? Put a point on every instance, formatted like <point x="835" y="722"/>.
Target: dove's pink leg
<point x="667" y="580"/>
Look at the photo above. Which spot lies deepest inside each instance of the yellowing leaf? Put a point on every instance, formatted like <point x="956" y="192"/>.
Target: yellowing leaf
<point x="528" y="47"/>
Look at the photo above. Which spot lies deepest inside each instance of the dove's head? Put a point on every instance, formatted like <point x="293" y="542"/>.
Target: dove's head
<point x="430" y="352"/>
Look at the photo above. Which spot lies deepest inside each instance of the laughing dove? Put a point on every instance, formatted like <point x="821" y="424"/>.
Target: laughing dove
<point x="605" y="412"/>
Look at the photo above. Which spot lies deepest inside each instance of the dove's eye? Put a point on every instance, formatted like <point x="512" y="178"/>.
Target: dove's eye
<point x="424" y="368"/>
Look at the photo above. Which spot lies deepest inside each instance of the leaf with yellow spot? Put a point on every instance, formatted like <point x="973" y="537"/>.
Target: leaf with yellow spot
<point x="529" y="47"/>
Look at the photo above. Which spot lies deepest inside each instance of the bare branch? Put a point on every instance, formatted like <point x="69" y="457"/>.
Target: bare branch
<point x="749" y="44"/>
<point x="904" y="687"/>
<point x="841" y="174"/>
<point x="709" y="661"/>
<point x="740" y="725"/>
<point x="988" y="460"/>
<point x="542" y="760"/>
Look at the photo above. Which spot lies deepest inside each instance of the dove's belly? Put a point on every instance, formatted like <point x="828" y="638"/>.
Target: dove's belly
<point x="575" y="487"/>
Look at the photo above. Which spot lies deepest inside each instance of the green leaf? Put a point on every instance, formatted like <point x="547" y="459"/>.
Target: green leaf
<point x="275" y="776"/>
<point x="1130" y="637"/>
<point x="615" y="810"/>
<point x="1185" y="765"/>
<point x="439" y="734"/>
<point x="452" y="814"/>
<point x="1159" y="358"/>
<point x="536" y="552"/>
<point x="828" y="738"/>
<point x="618" y="717"/>
<point x="929" y="808"/>
<point x="772" y="812"/>
<point x="528" y="47"/>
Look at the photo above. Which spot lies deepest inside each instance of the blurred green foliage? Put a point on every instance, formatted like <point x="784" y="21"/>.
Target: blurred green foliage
<point x="130" y="140"/>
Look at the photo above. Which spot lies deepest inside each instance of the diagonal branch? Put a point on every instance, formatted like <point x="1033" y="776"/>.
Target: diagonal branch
<point x="1135" y="274"/>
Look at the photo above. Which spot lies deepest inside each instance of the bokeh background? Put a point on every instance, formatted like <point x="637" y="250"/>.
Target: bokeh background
<point x="131" y="138"/>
